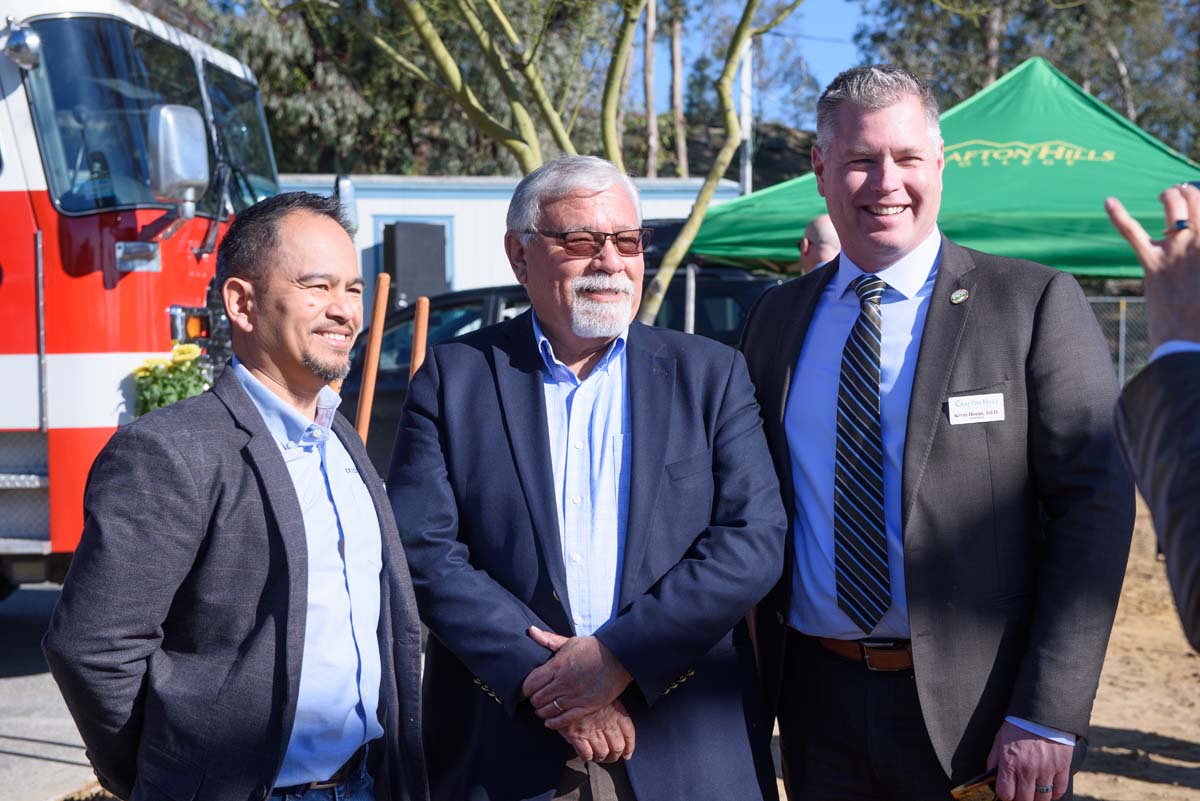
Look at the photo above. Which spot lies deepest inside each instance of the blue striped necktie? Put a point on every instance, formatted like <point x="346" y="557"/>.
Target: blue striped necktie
<point x="860" y="542"/>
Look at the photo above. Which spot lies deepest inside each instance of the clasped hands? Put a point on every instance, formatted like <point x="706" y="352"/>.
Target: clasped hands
<point x="577" y="693"/>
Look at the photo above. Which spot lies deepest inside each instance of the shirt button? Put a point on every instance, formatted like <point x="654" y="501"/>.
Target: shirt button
<point x="575" y="499"/>
<point x="578" y="620"/>
<point x="578" y="444"/>
<point x="576" y="557"/>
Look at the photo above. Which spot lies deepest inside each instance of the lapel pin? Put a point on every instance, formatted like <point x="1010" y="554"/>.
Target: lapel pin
<point x="959" y="296"/>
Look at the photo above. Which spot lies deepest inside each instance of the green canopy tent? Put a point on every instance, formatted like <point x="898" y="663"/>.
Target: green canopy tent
<point x="1029" y="161"/>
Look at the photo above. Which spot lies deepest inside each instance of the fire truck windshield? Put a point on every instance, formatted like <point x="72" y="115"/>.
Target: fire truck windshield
<point x="91" y="98"/>
<point x="241" y="136"/>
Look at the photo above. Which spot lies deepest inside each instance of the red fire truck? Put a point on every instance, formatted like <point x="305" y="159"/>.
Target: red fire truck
<point x="125" y="147"/>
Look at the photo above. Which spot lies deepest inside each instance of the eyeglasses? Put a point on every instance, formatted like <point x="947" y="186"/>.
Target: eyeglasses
<point x="590" y="243"/>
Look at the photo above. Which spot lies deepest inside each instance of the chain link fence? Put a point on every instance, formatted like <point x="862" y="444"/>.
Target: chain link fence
<point x="1123" y="321"/>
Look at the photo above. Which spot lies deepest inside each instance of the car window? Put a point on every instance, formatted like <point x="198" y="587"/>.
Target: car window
<point x="511" y="307"/>
<point x="721" y="307"/>
<point x="446" y="322"/>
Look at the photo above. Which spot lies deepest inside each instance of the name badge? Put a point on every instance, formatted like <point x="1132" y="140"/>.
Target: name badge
<point x="976" y="409"/>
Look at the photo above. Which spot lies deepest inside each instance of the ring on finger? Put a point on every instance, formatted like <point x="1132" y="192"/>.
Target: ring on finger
<point x="1043" y="789"/>
<point x="557" y="705"/>
<point x="1177" y="226"/>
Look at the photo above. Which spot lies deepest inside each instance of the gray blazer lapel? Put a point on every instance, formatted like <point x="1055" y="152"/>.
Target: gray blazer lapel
<point x="280" y="495"/>
<point x="518" y="368"/>
<point x="944" y="326"/>
<point x="651" y="382"/>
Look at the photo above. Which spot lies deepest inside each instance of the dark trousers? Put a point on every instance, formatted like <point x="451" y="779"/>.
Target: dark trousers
<point x="594" y="781"/>
<point x="851" y="734"/>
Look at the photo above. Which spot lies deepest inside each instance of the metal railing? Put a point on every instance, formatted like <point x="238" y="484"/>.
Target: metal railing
<point x="1123" y="321"/>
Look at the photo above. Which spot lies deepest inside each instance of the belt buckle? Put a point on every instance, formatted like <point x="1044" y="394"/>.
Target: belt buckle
<point x="328" y="784"/>
<point x="865" y="650"/>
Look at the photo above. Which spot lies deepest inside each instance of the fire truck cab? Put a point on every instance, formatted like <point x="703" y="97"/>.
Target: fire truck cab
<point x="125" y="147"/>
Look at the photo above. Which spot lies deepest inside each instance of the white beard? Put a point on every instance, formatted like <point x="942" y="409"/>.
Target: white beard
<point x="593" y="319"/>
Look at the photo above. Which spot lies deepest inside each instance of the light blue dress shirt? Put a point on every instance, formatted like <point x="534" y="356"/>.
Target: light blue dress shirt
<point x="811" y="425"/>
<point x="1173" y="346"/>
<point x="338" y="697"/>
<point x="588" y="425"/>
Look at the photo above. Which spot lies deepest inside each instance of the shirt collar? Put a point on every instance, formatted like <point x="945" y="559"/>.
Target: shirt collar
<point x="557" y="369"/>
<point x="287" y="425"/>
<point x="906" y="276"/>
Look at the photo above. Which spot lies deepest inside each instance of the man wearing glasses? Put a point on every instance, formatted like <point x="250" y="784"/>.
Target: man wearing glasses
<point x="589" y="510"/>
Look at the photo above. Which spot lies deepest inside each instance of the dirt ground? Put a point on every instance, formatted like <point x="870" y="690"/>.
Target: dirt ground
<point x="1145" y="740"/>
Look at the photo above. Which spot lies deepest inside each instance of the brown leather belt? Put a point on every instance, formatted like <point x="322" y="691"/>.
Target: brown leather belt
<point x="348" y="769"/>
<point x="897" y="656"/>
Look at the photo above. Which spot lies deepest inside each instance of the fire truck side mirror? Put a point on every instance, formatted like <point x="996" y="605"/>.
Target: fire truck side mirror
<point x="178" y="156"/>
<point x="22" y="45"/>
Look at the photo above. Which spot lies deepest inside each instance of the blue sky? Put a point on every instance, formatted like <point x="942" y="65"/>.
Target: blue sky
<point x="822" y="29"/>
<point x="826" y="29"/>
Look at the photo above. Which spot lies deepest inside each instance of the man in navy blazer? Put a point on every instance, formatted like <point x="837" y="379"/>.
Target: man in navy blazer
<point x="589" y="510"/>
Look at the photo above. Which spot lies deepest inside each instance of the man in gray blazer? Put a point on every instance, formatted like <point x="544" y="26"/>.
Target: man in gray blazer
<point x="238" y="621"/>
<point x="1157" y="415"/>
<point x="940" y="420"/>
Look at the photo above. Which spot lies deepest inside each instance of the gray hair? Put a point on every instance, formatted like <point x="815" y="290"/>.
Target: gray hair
<point x="874" y="86"/>
<point x="559" y="178"/>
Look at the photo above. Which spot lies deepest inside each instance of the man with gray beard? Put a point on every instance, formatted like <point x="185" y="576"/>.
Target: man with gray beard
<point x="589" y="510"/>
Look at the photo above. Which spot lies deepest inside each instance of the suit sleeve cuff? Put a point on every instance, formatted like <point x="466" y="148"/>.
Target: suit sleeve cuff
<point x="1054" y="735"/>
<point x="1174" y="346"/>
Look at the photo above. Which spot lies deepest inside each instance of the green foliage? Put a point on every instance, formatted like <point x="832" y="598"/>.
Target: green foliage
<point x="1141" y="57"/>
<point x="162" y="381"/>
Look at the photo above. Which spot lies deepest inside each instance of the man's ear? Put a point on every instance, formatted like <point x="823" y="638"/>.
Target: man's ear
<point x="238" y="294"/>
<point x="818" y="165"/>
<point x="514" y="248"/>
<point x="805" y="246"/>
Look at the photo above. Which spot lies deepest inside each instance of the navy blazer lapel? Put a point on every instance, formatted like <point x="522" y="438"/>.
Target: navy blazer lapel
<point x="518" y="367"/>
<point x="944" y="326"/>
<point x="280" y="495"/>
<point x="651" y="382"/>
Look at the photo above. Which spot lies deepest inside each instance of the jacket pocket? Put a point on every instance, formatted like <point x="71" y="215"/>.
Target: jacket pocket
<point x="164" y="777"/>
<point x="690" y="466"/>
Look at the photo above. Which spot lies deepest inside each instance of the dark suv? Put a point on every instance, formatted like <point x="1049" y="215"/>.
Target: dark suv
<point x="723" y="298"/>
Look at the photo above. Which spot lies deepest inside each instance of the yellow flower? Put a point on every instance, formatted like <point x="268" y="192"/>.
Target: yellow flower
<point x="185" y="353"/>
<point x="155" y="361"/>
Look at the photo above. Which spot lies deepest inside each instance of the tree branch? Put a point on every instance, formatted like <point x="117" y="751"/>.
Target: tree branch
<point x="631" y="11"/>
<point x="779" y="18"/>
<point x="529" y="158"/>
<point x="533" y="78"/>
<point x="499" y="65"/>
<point x="733" y="134"/>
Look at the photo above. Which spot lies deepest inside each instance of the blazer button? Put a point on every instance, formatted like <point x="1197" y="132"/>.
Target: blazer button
<point x="779" y="617"/>
<point x="556" y="598"/>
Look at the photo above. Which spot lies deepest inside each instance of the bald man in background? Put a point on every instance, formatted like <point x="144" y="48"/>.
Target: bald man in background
<point x="820" y="243"/>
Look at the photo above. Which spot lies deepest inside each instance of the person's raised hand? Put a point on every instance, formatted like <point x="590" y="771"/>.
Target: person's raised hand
<point x="1171" y="264"/>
